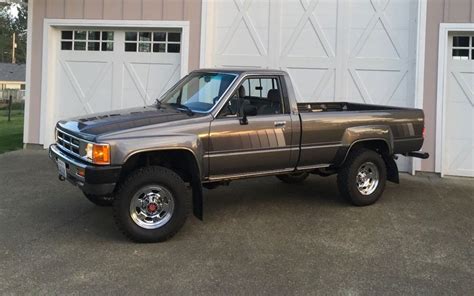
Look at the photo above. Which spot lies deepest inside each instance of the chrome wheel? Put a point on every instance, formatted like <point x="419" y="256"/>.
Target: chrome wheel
<point x="367" y="178"/>
<point x="152" y="207"/>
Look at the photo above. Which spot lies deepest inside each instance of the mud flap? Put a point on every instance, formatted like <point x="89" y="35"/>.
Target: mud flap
<point x="392" y="169"/>
<point x="197" y="198"/>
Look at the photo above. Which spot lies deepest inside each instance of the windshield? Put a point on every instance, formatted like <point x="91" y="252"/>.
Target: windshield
<point x="199" y="91"/>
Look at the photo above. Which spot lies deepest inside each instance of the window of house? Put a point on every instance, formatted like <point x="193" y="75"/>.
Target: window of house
<point x="145" y="41"/>
<point x="463" y="48"/>
<point x="84" y="40"/>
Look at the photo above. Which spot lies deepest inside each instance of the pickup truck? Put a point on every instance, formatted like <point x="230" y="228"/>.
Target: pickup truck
<point x="216" y="125"/>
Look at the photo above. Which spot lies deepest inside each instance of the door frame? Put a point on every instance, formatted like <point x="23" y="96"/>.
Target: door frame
<point x="443" y="45"/>
<point x="51" y="37"/>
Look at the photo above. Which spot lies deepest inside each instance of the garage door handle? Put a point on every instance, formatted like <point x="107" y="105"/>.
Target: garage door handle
<point x="280" y="123"/>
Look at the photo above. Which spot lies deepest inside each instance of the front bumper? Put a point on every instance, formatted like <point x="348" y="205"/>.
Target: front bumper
<point x="97" y="180"/>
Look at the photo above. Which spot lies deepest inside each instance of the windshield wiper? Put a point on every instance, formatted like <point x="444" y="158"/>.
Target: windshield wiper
<point x="185" y="108"/>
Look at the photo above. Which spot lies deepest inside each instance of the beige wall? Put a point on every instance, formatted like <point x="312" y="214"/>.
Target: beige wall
<point x="178" y="10"/>
<point x="438" y="11"/>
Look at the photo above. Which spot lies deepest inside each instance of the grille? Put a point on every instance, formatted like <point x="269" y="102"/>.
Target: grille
<point x="68" y="142"/>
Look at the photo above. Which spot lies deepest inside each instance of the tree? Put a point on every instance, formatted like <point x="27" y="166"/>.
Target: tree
<point x="13" y="19"/>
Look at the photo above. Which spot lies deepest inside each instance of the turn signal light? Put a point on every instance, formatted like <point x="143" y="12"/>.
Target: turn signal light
<point x="424" y="132"/>
<point x="98" y="153"/>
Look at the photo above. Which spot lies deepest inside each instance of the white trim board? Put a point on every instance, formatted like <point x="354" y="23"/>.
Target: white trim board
<point x="51" y="46"/>
<point x="444" y="30"/>
<point x="29" y="42"/>
<point x="420" y="67"/>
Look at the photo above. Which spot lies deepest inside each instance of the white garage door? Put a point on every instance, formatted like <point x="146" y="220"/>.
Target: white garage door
<point x="458" y="157"/>
<point x="106" y="69"/>
<point x="359" y="51"/>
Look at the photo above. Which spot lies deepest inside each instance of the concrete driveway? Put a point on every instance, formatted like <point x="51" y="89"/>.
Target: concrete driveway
<point x="259" y="237"/>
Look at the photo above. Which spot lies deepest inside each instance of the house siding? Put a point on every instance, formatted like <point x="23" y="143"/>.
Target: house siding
<point x="176" y="10"/>
<point x="438" y="11"/>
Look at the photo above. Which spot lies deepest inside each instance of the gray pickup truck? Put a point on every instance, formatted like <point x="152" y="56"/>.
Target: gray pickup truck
<point x="219" y="125"/>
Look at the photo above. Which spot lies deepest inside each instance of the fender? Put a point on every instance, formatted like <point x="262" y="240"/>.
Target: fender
<point x="122" y="151"/>
<point x="363" y="134"/>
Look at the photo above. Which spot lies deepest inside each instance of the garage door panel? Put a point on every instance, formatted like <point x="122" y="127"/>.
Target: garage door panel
<point x="382" y="85"/>
<point x="247" y="33"/>
<point x="158" y="83"/>
<point x="308" y="28"/>
<point x="87" y="75"/>
<point x="307" y="43"/>
<point x="83" y="87"/>
<point x="460" y="160"/>
<point x="257" y="20"/>
<point x="313" y="84"/>
<point x="460" y="123"/>
<point x="104" y="75"/>
<point x="242" y="42"/>
<point x="355" y="93"/>
<point x="462" y="90"/>
<point x="379" y="24"/>
<point x="458" y="152"/>
<point x="378" y="44"/>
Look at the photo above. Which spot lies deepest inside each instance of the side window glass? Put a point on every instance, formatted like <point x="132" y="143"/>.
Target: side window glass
<point x="262" y="92"/>
<point x="265" y="95"/>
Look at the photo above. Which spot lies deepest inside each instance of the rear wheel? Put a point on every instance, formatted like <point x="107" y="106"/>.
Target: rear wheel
<point x="151" y="205"/>
<point x="362" y="178"/>
<point x="293" y="177"/>
<point x="101" y="201"/>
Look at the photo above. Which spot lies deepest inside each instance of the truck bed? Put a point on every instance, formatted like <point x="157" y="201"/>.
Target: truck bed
<point x="331" y="127"/>
<point x="341" y="106"/>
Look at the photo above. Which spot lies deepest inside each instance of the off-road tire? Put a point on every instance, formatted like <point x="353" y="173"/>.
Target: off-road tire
<point x="101" y="201"/>
<point x="293" y="178"/>
<point x="347" y="177"/>
<point x="151" y="175"/>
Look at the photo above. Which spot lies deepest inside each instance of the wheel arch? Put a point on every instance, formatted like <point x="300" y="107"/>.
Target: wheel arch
<point x="183" y="161"/>
<point x="380" y="146"/>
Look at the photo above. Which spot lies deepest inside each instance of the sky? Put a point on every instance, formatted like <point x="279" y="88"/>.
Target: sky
<point x="13" y="10"/>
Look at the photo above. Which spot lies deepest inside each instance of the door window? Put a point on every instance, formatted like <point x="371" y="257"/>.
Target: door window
<point x="262" y="92"/>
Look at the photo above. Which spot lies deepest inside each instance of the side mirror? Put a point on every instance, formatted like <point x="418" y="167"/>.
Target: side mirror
<point x="247" y="110"/>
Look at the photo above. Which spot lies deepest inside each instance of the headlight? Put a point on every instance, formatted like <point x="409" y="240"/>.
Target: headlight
<point x="98" y="153"/>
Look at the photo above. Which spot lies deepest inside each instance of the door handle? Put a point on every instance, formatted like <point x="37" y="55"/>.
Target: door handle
<point x="279" y="123"/>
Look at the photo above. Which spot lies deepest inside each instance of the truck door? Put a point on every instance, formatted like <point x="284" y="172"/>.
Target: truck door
<point x="262" y="144"/>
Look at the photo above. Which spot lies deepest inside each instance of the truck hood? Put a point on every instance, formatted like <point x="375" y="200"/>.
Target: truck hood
<point x="108" y="122"/>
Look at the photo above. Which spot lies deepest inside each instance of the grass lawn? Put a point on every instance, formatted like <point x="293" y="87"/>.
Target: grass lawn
<point x="11" y="133"/>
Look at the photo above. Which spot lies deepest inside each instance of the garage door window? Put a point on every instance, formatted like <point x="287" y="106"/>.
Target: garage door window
<point x="87" y="40"/>
<point x="463" y="48"/>
<point x="153" y="42"/>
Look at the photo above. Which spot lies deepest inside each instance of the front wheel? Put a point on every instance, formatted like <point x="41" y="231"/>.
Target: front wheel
<point x="362" y="178"/>
<point x="151" y="205"/>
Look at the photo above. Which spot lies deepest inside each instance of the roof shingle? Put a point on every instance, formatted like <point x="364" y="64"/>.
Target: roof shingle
<point x="12" y="72"/>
